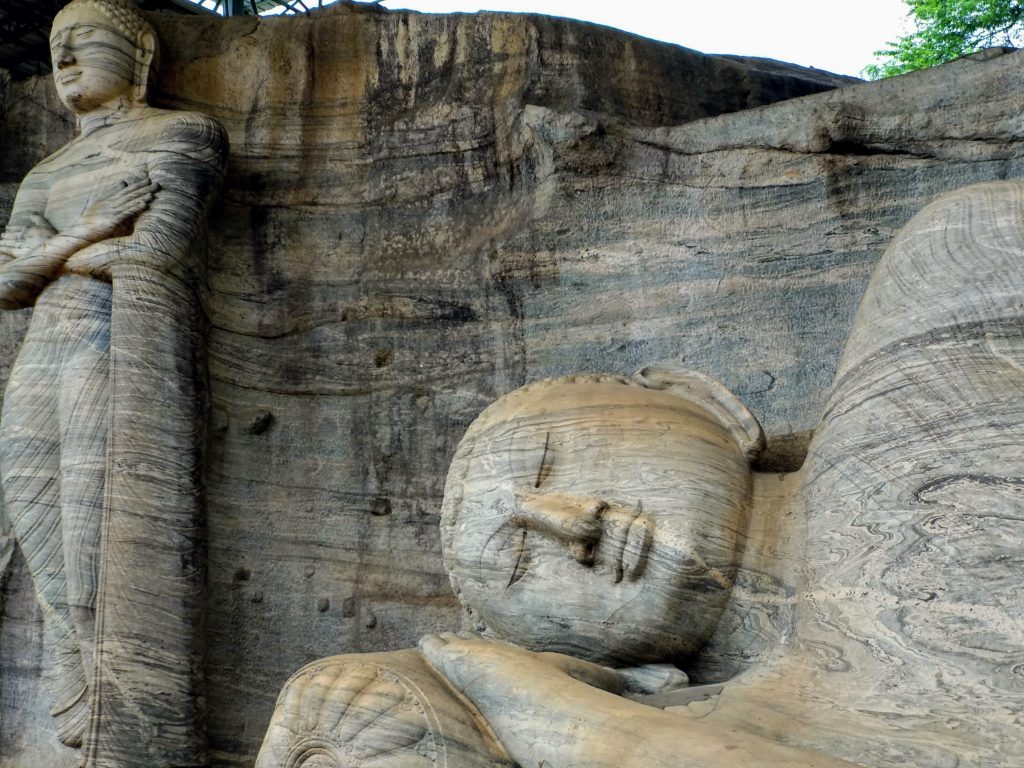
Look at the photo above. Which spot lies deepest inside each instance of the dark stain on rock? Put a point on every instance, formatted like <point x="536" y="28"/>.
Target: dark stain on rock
<point x="757" y="384"/>
<point x="265" y="241"/>
<point x="511" y="291"/>
<point x="261" y="423"/>
<point x="454" y="312"/>
<point x="381" y="507"/>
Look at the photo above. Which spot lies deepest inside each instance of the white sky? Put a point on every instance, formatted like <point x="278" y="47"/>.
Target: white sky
<point x="837" y="35"/>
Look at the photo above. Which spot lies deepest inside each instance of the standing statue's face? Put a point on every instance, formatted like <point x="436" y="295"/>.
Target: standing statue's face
<point x="93" y="64"/>
<point x="603" y="521"/>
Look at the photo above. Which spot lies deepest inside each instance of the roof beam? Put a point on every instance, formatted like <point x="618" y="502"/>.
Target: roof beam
<point x="193" y="7"/>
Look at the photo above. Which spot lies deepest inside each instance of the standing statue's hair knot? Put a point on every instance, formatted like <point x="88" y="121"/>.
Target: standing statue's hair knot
<point x="123" y="14"/>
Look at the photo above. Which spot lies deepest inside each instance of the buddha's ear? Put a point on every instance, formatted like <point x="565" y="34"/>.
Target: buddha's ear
<point x="145" y="52"/>
<point x="714" y="397"/>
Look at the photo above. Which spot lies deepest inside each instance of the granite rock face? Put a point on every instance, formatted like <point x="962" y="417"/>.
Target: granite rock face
<point x="422" y="213"/>
<point x="589" y="518"/>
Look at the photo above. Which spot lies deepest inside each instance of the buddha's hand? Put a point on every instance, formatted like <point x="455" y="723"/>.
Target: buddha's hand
<point x="106" y="219"/>
<point x="545" y="708"/>
<point x="474" y="664"/>
<point x="21" y="241"/>
<point x="115" y="215"/>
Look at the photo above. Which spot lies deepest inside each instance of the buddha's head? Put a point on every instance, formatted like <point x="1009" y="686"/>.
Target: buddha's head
<point x="103" y="53"/>
<point x="602" y="517"/>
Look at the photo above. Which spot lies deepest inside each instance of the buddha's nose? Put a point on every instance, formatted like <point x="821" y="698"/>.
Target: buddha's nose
<point x="63" y="58"/>
<point x="570" y="519"/>
<point x="63" y="55"/>
<point x="595" y="532"/>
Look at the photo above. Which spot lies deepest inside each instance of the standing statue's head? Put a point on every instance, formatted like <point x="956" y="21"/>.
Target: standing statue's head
<point x="600" y="516"/>
<point x="103" y="54"/>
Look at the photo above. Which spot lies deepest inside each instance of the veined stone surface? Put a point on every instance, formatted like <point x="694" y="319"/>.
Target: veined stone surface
<point x="102" y="432"/>
<point x="423" y="213"/>
<point x="605" y="519"/>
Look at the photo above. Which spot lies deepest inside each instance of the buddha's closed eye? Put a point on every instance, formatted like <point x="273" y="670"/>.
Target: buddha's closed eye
<point x="522" y="560"/>
<point x="547" y="461"/>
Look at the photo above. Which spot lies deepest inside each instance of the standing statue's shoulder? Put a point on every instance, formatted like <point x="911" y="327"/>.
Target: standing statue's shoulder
<point x="192" y="133"/>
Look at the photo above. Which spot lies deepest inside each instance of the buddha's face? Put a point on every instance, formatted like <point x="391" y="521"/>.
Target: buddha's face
<point x="93" y="63"/>
<point x="600" y="520"/>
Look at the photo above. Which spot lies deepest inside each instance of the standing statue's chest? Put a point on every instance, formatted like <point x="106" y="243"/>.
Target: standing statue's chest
<point x="88" y="170"/>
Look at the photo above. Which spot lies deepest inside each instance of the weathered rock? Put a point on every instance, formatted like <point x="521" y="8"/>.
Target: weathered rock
<point x="423" y="213"/>
<point x="596" y="519"/>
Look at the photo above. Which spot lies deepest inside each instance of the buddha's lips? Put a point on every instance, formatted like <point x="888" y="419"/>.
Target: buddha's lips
<point x="636" y="547"/>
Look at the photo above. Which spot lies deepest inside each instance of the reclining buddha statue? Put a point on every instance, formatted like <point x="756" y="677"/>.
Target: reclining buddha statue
<point x="595" y="529"/>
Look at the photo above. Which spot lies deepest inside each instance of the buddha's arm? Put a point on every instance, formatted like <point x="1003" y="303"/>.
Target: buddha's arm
<point x="544" y="716"/>
<point x="32" y="252"/>
<point x="25" y="267"/>
<point x="187" y="162"/>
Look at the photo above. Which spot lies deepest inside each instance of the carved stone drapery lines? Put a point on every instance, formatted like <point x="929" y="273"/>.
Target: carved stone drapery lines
<point x="101" y="432"/>
<point x="152" y="555"/>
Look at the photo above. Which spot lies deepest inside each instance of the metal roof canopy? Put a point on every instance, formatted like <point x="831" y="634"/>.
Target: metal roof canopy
<point x="255" y="7"/>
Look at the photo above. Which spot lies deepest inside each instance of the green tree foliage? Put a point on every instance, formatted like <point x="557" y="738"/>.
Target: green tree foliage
<point x="946" y="29"/>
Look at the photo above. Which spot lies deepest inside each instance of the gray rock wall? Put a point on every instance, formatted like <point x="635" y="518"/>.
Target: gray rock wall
<point x="425" y="212"/>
